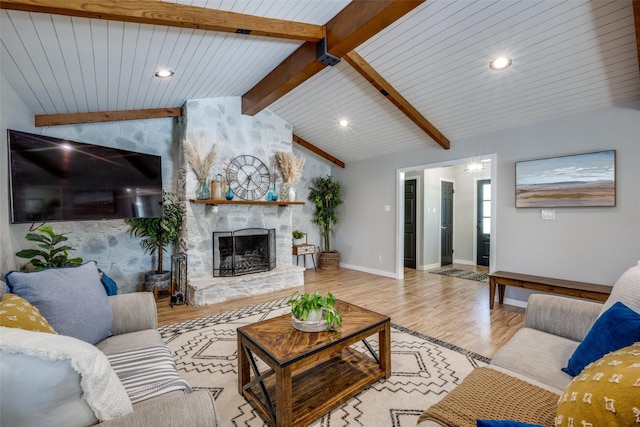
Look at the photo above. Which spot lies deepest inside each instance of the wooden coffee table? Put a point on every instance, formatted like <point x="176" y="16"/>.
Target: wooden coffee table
<point x="310" y="373"/>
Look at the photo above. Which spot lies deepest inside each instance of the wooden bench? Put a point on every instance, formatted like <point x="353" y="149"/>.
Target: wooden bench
<point x="544" y="284"/>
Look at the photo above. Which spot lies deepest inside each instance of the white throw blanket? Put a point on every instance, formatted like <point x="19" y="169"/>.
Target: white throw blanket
<point x="102" y="390"/>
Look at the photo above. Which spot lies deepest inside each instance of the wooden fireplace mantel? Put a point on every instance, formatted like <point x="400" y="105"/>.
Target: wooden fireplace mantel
<point x="215" y="202"/>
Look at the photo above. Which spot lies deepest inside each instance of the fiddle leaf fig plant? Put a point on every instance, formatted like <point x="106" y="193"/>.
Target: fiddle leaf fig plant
<point x="50" y="255"/>
<point x="302" y="305"/>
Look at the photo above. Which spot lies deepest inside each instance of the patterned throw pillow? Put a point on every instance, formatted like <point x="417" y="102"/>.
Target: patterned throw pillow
<point x="606" y="393"/>
<point x="17" y="312"/>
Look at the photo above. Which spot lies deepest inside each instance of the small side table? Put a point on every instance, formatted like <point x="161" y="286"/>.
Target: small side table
<point x="303" y="250"/>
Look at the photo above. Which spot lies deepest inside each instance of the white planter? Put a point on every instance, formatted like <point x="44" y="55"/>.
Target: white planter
<point x="315" y="316"/>
<point x="292" y="194"/>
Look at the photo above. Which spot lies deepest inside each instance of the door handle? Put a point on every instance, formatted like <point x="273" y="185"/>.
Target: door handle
<point x="442" y="227"/>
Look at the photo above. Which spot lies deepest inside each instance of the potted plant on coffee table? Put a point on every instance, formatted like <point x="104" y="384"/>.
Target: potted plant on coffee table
<point x="314" y="312"/>
<point x="325" y="195"/>
<point x="158" y="234"/>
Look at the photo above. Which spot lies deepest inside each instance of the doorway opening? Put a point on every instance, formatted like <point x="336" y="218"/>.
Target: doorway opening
<point x="461" y="243"/>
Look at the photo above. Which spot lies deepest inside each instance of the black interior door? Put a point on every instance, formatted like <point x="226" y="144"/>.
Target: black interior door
<point x="410" y="223"/>
<point x="446" y="223"/>
<point x="484" y="222"/>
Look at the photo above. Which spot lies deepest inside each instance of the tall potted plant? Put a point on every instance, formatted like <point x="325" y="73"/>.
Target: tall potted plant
<point x="325" y="195"/>
<point x="158" y="234"/>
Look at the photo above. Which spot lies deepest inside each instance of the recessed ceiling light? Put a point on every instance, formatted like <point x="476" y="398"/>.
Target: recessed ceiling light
<point x="164" y="73"/>
<point x="500" y="63"/>
<point x="344" y="123"/>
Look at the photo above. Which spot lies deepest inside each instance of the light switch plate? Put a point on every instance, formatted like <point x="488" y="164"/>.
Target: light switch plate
<point x="547" y="214"/>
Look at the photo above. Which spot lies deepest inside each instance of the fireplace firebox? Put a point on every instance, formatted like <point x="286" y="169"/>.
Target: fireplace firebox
<point x="246" y="251"/>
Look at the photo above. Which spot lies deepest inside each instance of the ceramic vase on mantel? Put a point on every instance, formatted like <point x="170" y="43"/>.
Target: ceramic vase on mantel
<point x="292" y="194"/>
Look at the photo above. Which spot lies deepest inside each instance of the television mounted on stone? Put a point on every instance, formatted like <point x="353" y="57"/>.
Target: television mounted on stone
<point x="54" y="179"/>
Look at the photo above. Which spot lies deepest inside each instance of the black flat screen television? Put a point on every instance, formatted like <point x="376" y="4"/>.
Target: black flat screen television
<point x="53" y="179"/>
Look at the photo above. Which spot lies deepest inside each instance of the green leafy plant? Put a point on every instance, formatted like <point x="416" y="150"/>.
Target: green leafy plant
<point x="303" y="304"/>
<point x="297" y="234"/>
<point x="325" y="195"/>
<point x="51" y="255"/>
<point x="159" y="233"/>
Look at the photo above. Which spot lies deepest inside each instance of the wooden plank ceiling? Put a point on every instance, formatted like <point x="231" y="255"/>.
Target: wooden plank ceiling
<point x="356" y="23"/>
<point x="428" y="58"/>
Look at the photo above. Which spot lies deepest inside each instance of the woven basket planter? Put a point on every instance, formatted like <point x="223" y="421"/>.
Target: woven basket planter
<point x="328" y="260"/>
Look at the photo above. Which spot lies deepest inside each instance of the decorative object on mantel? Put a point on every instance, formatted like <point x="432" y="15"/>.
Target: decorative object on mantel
<point x="272" y="195"/>
<point x="218" y="187"/>
<point x="325" y="195"/>
<point x="202" y="191"/>
<point x="314" y="312"/>
<point x="248" y="177"/>
<point x="158" y="233"/>
<point x="201" y="166"/>
<point x="291" y="170"/>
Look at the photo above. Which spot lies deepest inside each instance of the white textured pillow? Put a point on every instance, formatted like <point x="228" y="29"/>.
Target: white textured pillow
<point x="55" y="380"/>
<point x="626" y="290"/>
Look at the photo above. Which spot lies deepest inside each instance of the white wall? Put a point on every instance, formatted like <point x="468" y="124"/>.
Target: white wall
<point x="587" y="244"/>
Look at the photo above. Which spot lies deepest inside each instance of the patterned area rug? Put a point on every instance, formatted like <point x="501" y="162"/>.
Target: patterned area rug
<point x="424" y="369"/>
<point x="462" y="274"/>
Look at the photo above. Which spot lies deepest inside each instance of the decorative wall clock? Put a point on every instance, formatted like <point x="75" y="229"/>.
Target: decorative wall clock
<point x="248" y="177"/>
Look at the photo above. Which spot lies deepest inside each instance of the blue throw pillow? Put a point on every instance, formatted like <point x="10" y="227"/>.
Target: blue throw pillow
<point x="72" y="299"/>
<point x="503" y="423"/>
<point x="110" y="285"/>
<point x="616" y="328"/>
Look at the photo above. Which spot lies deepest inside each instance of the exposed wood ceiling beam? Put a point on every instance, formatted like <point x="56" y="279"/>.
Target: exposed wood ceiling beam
<point x="636" y="18"/>
<point x="105" y="116"/>
<point x="362" y="19"/>
<point x="373" y="77"/>
<point x="309" y="146"/>
<point x="356" y="23"/>
<point x="291" y="72"/>
<point x="171" y="14"/>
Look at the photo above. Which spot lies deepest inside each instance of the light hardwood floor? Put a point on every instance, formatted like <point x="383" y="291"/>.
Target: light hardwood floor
<point x="453" y="310"/>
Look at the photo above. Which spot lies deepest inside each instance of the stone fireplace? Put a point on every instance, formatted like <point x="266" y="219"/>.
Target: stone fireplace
<point x="248" y="251"/>
<point x="220" y="121"/>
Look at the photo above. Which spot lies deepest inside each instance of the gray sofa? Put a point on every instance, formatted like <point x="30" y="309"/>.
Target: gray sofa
<point x="135" y="326"/>
<point x="28" y="381"/>
<point x="554" y="327"/>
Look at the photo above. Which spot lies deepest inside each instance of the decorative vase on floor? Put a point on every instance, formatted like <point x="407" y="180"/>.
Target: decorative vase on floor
<point x="292" y="194"/>
<point x="202" y="191"/>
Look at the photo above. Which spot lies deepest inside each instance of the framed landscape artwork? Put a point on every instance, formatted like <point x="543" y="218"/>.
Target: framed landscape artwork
<point x="581" y="180"/>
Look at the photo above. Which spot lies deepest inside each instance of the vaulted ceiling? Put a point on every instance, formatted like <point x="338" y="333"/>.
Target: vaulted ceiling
<point x="413" y="74"/>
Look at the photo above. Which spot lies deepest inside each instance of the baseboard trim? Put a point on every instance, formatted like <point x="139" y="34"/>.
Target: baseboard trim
<point x="464" y="262"/>
<point x="513" y="302"/>
<point x="429" y="266"/>
<point x="369" y="270"/>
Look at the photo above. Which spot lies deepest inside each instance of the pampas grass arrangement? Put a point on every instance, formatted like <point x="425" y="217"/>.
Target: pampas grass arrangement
<point x="290" y="167"/>
<point x="201" y="166"/>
